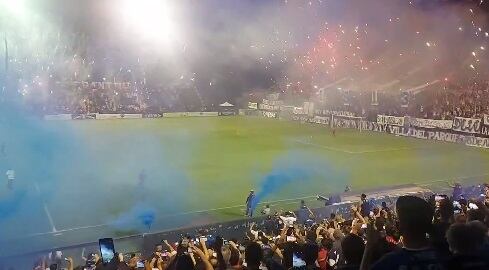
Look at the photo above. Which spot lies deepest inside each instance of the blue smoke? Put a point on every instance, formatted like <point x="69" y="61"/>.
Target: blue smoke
<point x="140" y="216"/>
<point x="10" y="205"/>
<point x="298" y="169"/>
<point x="278" y="179"/>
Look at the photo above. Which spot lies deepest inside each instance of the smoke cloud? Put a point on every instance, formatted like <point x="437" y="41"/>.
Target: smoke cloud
<point x="298" y="169"/>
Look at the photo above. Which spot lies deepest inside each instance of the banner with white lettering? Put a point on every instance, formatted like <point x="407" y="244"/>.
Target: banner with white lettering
<point x="346" y="121"/>
<point x="467" y="125"/>
<point x="252" y="105"/>
<point x="340" y="113"/>
<point x="438" y="135"/>
<point x="269" y="107"/>
<point x="486" y="119"/>
<point x="390" y="120"/>
<point x="485" y="130"/>
<point x="430" y="123"/>
<point x="269" y="114"/>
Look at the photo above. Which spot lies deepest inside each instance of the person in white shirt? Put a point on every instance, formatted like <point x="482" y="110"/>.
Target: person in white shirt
<point x="266" y="210"/>
<point x="288" y="219"/>
<point x="10" y="178"/>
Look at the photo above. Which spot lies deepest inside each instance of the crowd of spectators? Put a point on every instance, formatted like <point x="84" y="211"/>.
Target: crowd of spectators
<point x="438" y="232"/>
<point x="442" y="101"/>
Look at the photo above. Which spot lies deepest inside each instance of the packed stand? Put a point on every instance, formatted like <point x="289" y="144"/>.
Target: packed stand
<point x="439" y="232"/>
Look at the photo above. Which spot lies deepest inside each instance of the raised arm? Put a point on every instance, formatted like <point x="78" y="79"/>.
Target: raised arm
<point x="172" y="250"/>
<point x="204" y="247"/>
<point x="205" y="260"/>
<point x="356" y="214"/>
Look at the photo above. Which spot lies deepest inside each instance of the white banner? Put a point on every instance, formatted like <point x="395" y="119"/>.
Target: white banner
<point x="467" y="125"/>
<point x="57" y="117"/>
<point x="176" y="114"/>
<point x="321" y="120"/>
<point x="269" y="114"/>
<point x="252" y="105"/>
<point x="298" y="110"/>
<point x="268" y="107"/>
<point x="477" y="142"/>
<point x="390" y="120"/>
<point x="132" y="116"/>
<point x="430" y="123"/>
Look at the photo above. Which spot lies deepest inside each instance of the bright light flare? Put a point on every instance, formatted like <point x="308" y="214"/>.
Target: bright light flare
<point x="15" y="8"/>
<point x="152" y="18"/>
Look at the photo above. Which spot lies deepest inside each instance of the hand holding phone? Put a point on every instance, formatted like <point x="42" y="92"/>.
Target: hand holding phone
<point x="107" y="249"/>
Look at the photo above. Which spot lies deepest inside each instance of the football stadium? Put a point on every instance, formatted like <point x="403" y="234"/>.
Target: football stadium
<point x="161" y="134"/>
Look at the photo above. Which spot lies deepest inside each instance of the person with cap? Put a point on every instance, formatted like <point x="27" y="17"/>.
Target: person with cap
<point x="249" y="203"/>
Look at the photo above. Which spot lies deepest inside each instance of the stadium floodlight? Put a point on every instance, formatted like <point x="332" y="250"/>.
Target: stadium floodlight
<point x="151" y="18"/>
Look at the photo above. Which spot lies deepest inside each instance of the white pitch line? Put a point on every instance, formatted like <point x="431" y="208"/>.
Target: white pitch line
<point x="46" y="209"/>
<point x="325" y="147"/>
<point x="48" y="214"/>
<point x="425" y="183"/>
<point x="172" y="215"/>
<point x="390" y="150"/>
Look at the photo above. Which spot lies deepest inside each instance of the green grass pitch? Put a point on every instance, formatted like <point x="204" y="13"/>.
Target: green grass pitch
<point x="193" y="165"/>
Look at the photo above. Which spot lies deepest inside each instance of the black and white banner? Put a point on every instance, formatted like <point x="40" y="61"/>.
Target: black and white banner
<point x="390" y="120"/>
<point x="467" y="125"/>
<point x="430" y="123"/>
<point x="339" y="113"/>
<point x="427" y="134"/>
<point x="485" y="131"/>
<point x="346" y="121"/>
<point x="486" y="119"/>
